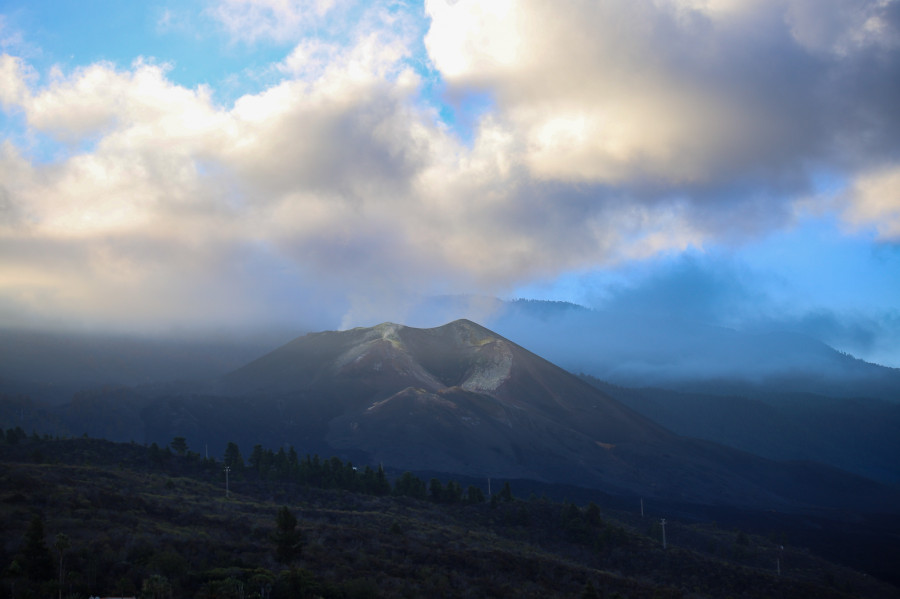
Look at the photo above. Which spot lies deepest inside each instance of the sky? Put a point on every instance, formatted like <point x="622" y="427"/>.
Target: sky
<point x="201" y="164"/>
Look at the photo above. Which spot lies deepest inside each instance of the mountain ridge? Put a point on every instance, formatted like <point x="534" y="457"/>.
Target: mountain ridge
<point x="457" y="398"/>
<point x="461" y="398"/>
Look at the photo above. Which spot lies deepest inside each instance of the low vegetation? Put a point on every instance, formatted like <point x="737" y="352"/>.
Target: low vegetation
<point x="85" y="517"/>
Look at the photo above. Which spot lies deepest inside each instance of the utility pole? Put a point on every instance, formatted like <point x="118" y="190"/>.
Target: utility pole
<point x="663" y="522"/>
<point x="778" y="560"/>
<point x="642" y="507"/>
<point x="227" y="470"/>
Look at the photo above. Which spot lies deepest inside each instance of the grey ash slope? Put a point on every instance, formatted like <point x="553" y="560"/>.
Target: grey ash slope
<point x="462" y="399"/>
<point x="367" y="368"/>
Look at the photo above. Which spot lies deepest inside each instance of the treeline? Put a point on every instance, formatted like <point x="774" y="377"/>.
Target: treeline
<point x="13" y="436"/>
<point x="286" y="466"/>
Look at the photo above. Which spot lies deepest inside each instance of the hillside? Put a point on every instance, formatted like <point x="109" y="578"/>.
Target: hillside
<point x="139" y="516"/>
<point x="53" y="366"/>
<point x="457" y="398"/>
<point x="388" y="389"/>
<point x="859" y="435"/>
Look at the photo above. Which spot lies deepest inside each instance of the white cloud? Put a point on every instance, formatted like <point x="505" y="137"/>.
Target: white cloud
<point x="873" y="200"/>
<point x="274" y="20"/>
<point x="339" y="174"/>
<point x="175" y="193"/>
<point x="151" y="137"/>
<point x="590" y="88"/>
<point x="618" y="130"/>
<point x="677" y="94"/>
<point x="13" y="80"/>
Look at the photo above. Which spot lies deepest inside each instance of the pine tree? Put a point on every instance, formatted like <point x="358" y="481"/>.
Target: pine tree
<point x="256" y="459"/>
<point x="233" y="458"/>
<point x="589" y="591"/>
<point x="293" y="464"/>
<point x="179" y="444"/>
<point x="156" y="587"/>
<point x="474" y="494"/>
<point x="436" y="490"/>
<point x="592" y="514"/>
<point x="410" y="485"/>
<point x="453" y="492"/>
<point x="288" y="541"/>
<point x="36" y="560"/>
<point x="383" y="486"/>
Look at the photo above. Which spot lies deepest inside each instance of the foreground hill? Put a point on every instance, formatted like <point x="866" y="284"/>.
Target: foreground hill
<point x="143" y="520"/>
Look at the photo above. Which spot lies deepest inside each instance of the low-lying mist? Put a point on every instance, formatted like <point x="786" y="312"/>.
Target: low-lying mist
<point x="627" y="348"/>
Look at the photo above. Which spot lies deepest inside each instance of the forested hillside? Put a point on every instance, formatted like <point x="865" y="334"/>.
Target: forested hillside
<point x="85" y="517"/>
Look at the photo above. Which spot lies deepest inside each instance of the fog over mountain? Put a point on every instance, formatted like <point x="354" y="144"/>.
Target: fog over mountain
<point x="629" y="348"/>
<point x="636" y="349"/>
<point x="53" y="366"/>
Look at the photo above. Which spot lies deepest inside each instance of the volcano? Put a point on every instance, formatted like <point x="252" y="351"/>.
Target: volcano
<point x="461" y="399"/>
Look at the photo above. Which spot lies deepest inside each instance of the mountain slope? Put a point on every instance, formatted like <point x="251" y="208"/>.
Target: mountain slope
<point x="460" y="398"/>
<point x="134" y="512"/>
<point x="857" y="435"/>
<point x="363" y="366"/>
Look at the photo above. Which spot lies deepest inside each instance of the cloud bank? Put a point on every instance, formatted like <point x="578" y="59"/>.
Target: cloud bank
<point x="614" y="131"/>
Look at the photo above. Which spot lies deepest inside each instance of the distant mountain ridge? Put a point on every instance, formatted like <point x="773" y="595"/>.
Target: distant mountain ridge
<point x="633" y="351"/>
<point x="643" y="350"/>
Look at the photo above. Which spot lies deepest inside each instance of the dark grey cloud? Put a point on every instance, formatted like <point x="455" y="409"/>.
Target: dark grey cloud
<point x="733" y="108"/>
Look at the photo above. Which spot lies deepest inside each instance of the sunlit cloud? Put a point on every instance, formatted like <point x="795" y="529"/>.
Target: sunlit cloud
<point x="612" y="132"/>
<point x="666" y="93"/>
<point x="874" y="201"/>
